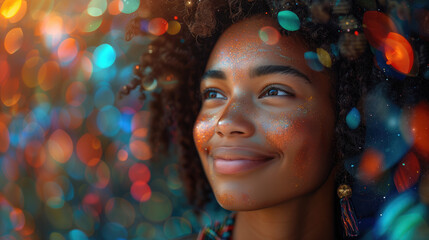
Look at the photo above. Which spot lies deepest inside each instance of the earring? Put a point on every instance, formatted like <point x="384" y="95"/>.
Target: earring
<point x="348" y="217"/>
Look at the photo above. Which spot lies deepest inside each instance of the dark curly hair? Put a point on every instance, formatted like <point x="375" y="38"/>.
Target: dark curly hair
<point x="176" y="63"/>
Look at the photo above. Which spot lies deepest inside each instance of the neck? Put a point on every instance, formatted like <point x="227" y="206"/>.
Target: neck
<point x="311" y="216"/>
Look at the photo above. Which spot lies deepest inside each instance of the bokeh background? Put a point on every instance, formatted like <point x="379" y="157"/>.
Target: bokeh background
<point x="74" y="160"/>
<point x="73" y="157"/>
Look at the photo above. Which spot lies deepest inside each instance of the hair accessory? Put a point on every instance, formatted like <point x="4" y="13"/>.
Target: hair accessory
<point x="348" y="217"/>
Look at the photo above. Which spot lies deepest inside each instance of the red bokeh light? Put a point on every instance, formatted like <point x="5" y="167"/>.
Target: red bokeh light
<point x="377" y="26"/>
<point x="420" y="127"/>
<point x="139" y="172"/>
<point x="371" y="165"/>
<point x="408" y="172"/>
<point x="141" y="191"/>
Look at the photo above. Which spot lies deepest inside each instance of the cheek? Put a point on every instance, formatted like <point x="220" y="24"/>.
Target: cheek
<point x="279" y="131"/>
<point x="204" y="129"/>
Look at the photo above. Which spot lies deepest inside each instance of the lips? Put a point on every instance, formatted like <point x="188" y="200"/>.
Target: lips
<point x="233" y="160"/>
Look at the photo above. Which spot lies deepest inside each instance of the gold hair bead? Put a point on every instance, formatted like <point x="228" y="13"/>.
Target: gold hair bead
<point x="344" y="190"/>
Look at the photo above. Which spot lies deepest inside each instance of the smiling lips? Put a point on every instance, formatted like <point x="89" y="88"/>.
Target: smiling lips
<point x="233" y="160"/>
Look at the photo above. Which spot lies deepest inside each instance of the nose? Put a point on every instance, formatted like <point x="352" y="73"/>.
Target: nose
<point x="235" y="121"/>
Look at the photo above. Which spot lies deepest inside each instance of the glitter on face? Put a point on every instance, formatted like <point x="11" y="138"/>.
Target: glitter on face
<point x="225" y="199"/>
<point x="203" y="130"/>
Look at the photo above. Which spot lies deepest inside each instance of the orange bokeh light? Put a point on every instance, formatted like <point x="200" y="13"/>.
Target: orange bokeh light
<point x="10" y="92"/>
<point x="408" y="172"/>
<point x="371" y="165"/>
<point x="89" y="149"/>
<point x="140" y="150"/>
<point x="398" y="52"/>
<point x="4" y="138"/>
<point x="60" y="146"/>
<point x="10" y="8"/>
<point x="115" y="7"/>
<point x="13" y="40"/>
<point x="122" y="155"/>
<point x="67" y="51"/>
<point x="20" y="14"/>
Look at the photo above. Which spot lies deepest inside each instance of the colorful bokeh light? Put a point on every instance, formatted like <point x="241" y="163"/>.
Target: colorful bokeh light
<point x="398" y="52"/>
<point x="158" y="26"/>
<point x="13" y="40"/>
<point x="10" y="8"/>
<point x="420" y="127"/>
<point x="377" y="26"/>
<point x="269" y="35"/>
<point x="289" y="20"/>
<point x="104" y="55"/>
<point x="130" y="6"/>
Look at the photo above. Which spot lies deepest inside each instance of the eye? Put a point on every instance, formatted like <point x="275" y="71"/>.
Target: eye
<point x="211" y="93"/>
<point x="274" y="91"/>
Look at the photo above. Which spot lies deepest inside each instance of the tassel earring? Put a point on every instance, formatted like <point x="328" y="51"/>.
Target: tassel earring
<point x="348" y="217"/>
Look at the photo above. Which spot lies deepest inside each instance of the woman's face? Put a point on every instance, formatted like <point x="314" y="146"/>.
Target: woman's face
<point x="264" y="133"/>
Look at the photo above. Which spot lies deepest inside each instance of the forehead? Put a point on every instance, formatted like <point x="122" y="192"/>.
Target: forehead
<point x="242" y="43"/>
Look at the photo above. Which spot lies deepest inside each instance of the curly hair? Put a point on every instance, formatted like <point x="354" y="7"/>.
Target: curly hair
<point x="181" y="59"/>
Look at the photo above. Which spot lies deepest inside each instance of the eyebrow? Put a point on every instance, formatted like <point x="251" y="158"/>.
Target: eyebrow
<point x="260" y="71"/>
<point x="214" y="74"/>
<point x="278" y="69"/>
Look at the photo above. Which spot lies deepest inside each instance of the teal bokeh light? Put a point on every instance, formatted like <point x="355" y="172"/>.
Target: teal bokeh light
<point x="289" y="20"/>
<point x="130" y="6"/>
<point x="104" y="56"/>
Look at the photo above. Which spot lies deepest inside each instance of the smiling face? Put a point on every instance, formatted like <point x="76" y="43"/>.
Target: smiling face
<point x="265" y="129"/>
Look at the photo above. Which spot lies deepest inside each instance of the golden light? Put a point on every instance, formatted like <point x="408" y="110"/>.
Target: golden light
<point x="10" y="8"/>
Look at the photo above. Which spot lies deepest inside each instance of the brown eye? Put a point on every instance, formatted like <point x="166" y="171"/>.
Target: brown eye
<point x="273" y="91"/>
<point x="212" y="94"/>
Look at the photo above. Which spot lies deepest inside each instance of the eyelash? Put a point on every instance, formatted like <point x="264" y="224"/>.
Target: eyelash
<point x="264" y="93"/>
<point x="269" y="88"/>
<point x="209" y="90"/>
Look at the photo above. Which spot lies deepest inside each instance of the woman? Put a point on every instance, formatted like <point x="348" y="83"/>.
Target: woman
<point x="259" y="117"/>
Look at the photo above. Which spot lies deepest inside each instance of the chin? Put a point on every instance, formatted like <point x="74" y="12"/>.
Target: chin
<point x="239" y="202"/>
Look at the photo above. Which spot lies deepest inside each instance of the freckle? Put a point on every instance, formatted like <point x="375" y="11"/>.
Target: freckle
<point x="203" y="130"/>
<point x="226" y="199"/>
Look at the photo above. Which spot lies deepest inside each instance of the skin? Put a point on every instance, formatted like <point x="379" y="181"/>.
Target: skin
<point x="287" y="116"/>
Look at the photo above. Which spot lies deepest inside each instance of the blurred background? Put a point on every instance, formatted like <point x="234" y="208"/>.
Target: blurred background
<point x="74" y="157"/>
